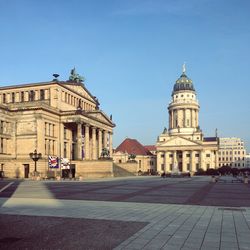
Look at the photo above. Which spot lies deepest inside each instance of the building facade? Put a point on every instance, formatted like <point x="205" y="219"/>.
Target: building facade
<point x="146" y="161"/>
<point x="183" y="146"/>
<point x="232" y="152"/>
<point x="56" y="118"/>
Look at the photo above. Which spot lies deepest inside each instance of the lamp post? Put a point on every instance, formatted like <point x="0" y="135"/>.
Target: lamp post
<point x="35" y="157"/>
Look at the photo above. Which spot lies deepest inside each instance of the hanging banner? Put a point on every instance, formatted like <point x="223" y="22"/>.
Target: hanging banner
<point x="65" y="164"/>
<point x="53" y="162"/>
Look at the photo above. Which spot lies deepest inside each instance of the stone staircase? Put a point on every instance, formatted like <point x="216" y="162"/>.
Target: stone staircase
<point x="121" y="172"/>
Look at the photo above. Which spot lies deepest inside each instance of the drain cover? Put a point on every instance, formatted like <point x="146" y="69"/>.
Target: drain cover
<point x="232" y="209"/>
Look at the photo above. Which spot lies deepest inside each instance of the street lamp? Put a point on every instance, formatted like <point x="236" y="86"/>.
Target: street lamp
<point x="35" y="157"/>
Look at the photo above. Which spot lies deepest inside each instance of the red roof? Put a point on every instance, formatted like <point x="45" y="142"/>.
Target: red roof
<point x="150" y="147"/>
<point x="132" y="146"/>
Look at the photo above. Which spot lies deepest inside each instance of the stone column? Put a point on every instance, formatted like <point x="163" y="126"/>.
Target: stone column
<point x="94" y="151"/>
<point x="174" y="159"/>
<point x="184" y="118"/>
<point x="105" y="141"/>
<point x="184" y="162"/>
<point x="193" y="166"/>
<point x="110" y="144"/>
<point x="197" y="118"/>
<point x="86" y="142"/>
<point x="61" y="140"/>
<point x="166" y="163"/>
<point x="99" y="142"/>
<point x="169" y="119"/>
<point x="202" y="164"/>
<point x="158" y="163"/>
<point x="79" y="141"/>
<point x="172" y="119"/>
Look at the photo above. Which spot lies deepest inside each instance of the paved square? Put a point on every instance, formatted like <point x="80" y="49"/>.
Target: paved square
<point x="180" y="213"/>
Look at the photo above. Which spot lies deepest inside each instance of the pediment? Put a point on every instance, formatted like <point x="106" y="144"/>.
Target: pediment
<point x="100" y="116"/>
<point x="80" y="89"/>
<point x="179" y="141"/>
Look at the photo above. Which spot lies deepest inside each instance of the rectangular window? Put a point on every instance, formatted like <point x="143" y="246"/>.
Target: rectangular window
<point x="170" y="156"/>
<point x="162" y="167"/>
<point x="22" y="96"/>
<point x="4" y="98"/>
<point x="207" y="155"/>
<point x="188" y="155"/>
<point x="42" y="94"/>
<point x="65" y="149"/>
<point x="13" y="97"/>
<point x="32" y="95"/>
<point x="162" y="155"/>
<point x="197" y="155"/>
<point x="197" y="166"/>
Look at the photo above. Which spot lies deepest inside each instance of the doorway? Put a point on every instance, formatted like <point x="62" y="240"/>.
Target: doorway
<point x="26" y="170"/>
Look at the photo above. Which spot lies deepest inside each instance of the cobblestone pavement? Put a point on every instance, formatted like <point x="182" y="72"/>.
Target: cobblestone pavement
<point x="184" y="225"/>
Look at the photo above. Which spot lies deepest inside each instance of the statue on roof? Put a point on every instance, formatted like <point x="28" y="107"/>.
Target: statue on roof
<point x="74" y="77"/>
<point x="184" y="68"/>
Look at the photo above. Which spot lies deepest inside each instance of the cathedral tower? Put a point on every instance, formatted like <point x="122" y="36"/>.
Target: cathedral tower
<point x="182" y="147"/>
<point x="184" y="107"/>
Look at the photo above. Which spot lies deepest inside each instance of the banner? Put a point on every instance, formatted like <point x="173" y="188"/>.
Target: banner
<point x="53" y="162"/>
<point x="65" y="164"/>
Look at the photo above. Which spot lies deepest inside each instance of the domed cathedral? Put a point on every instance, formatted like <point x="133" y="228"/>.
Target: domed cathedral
<point x="182" y="147"/>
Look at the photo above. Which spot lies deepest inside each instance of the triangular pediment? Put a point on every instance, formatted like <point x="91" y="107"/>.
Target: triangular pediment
<point x="179" y="141"/>
<point x="100" y="116"/>
<point x="80" y="89"/>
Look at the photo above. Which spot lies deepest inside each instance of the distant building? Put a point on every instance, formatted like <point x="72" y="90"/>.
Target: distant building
<point x="247" y="160"/>
<point x="232" y="152"/>
<point x="151" y="148"/>
<point x="183" y="146"/>
<point x="146" y="161"/>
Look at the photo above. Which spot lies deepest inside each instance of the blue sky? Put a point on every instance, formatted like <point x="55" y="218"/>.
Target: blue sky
<point x="131" y="53"/>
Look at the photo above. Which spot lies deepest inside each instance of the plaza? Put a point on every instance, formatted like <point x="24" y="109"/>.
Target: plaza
<point x="163" y="213"/>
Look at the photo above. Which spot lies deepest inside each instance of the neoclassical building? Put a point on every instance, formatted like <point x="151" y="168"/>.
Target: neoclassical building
<point x="56" y="118"/>
<point x="182" y="146"/>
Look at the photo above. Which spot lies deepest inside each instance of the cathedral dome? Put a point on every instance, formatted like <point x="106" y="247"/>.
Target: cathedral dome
<point x="183" y="83"/>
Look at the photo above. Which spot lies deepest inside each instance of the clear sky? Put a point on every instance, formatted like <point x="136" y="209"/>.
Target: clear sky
<point x="131" y="53"/>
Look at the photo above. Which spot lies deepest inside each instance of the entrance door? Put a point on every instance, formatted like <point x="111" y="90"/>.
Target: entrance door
<point x="26" y="170"/>
<point x="73" y="170"/>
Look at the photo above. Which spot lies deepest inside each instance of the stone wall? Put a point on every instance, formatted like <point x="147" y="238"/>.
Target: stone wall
<point x="94" y="169"/>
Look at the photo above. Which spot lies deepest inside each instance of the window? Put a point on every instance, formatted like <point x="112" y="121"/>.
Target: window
<point x="197" y="155"/>
<point x="22" y="96"/>
<point x="162" y="155"/>
<point x="13" y="97"/>
<point x="4" y="98"/>
<point x="188" y="155"/>
<point x="32" y="95"/>
<point x="207" y="155"/>
<point x="171" y="156"/>
<point x="42" y="94"/>
<point x="162" y="167"/>
<point x="65" y="149"/>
